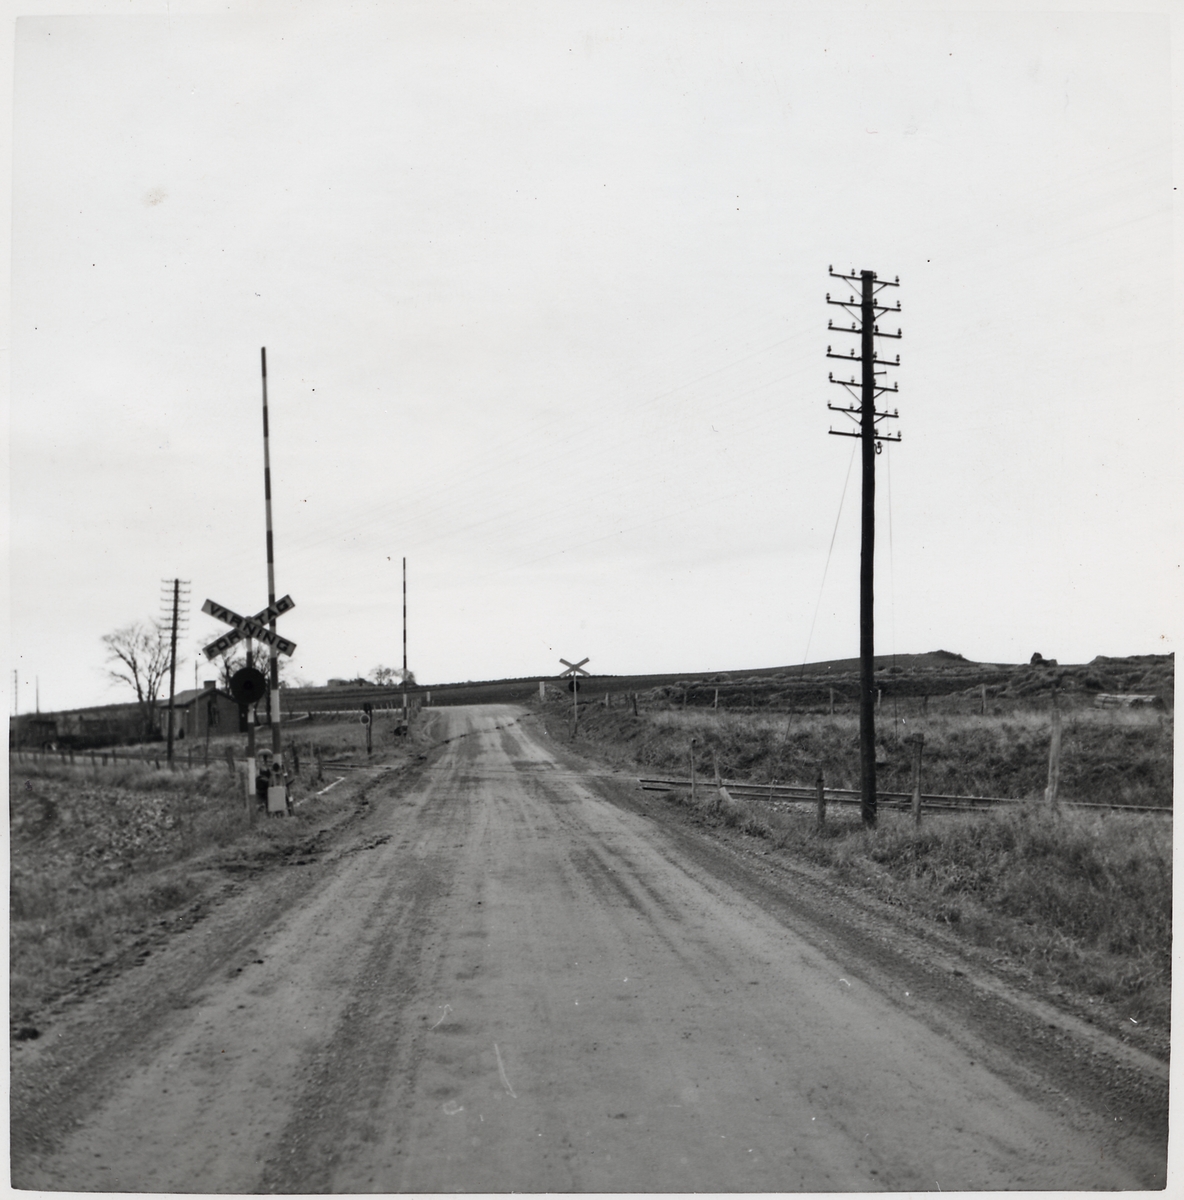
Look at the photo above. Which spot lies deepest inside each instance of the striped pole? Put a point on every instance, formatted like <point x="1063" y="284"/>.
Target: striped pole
<point x="404" y="644"/>
<point x="273" y="652"/>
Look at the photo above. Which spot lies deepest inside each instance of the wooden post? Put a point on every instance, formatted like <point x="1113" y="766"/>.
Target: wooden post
<point x="984" y="704"/>
<point x="542" y="692"/>
<point x="821" y="795"/>
<point x="917" y="741"/>
<point x="692" y="758"/>
<point x="635" y="704"/>
<point x="715" y="702"/>
<point x="1054" y="752"/>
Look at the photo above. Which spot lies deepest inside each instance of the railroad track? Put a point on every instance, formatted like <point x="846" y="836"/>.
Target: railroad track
<point x="945" y="803"/>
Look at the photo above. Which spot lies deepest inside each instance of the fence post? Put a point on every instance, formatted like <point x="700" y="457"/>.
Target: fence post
<point x="984" y="704"/>
<point x="917" y="740"/>
<point x="821" y="796"/>
<point x="1054" y="753"/>
<point x="692" y="758"/>
<point x="635" y="704"/>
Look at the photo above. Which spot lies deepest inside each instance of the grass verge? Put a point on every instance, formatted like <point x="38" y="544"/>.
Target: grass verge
<point x="99" y="859"/>
<point x="1079" y="901"/>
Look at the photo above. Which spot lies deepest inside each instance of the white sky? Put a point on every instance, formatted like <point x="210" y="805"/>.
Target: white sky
<point x="542" y="290"/>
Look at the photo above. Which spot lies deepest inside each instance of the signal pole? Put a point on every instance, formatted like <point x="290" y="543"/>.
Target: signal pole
<point x="405" y="725"/>
<point x="867" y="417"/>
<point x="277" y="758"/>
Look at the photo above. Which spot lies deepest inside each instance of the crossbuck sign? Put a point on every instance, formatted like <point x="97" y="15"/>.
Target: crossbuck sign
<point x="249" y="627"/>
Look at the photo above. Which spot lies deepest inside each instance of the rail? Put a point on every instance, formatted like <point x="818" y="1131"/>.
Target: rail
<point x="946" y="803"/>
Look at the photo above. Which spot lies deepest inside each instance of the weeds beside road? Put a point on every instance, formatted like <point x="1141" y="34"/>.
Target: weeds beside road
<point x="1079" y="903"/>
<point x="102" y="860"/>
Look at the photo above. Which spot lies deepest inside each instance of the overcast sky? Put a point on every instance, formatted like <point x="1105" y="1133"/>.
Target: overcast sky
<point x="543" y="287"/>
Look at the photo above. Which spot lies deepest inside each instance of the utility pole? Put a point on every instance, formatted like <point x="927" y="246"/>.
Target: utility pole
<point x="172" y="600"/>
<point x="866" y="417"/>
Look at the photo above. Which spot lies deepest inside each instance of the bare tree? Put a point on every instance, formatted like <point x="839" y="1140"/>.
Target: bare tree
<point x="138" y="655"/>
<point x="227" y="665"/>
<point x="387" y="676"/>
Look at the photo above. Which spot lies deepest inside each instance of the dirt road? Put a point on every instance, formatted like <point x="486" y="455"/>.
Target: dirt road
<point x="503" y="980"/>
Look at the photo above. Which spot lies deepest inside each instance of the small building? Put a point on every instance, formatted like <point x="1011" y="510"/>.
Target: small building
<point x="198" y="711"/>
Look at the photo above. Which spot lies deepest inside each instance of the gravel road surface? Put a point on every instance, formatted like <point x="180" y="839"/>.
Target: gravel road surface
<point x="502" y="979"/>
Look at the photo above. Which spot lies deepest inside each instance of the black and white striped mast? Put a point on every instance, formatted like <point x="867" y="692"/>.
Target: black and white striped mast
<point x="867" y="417"/>
<point x="405" y="725"/>
<point x="273" y="652"/>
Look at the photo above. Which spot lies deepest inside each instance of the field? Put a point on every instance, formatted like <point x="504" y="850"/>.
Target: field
<point x="1079" y="902"/>
<point x="103" y="856"/>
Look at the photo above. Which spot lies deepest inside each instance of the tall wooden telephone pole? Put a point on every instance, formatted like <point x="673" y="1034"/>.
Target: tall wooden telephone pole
<point x="866" y="309"/>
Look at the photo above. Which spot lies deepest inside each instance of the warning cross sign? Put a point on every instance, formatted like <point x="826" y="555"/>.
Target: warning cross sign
<point x="249" y="627"/>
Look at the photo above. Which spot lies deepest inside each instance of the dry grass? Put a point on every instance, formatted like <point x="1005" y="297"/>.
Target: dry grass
<point x="1080" y="901"/>
<point x="1107" y="756"/>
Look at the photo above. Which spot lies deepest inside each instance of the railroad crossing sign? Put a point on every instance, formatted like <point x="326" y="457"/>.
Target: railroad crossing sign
<point x="249" y="627"/>
<point x="573" y="669"/>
